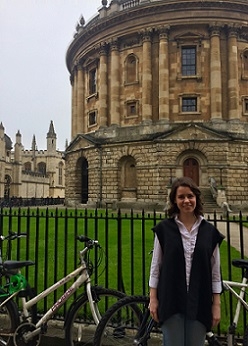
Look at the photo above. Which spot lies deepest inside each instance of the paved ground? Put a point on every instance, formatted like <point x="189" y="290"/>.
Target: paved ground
<point x="52" y="341"/>
<point x="234" y="229"/>
<point x="55" y="335"/>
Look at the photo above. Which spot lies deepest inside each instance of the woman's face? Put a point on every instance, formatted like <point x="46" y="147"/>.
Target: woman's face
<point x="185" y="199"/>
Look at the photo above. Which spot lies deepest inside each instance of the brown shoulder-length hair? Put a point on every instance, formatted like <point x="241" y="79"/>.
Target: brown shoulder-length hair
<point x="185" y="181"/>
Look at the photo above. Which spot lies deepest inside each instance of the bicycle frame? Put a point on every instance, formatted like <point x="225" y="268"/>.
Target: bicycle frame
<point x="228" y="285"/>
<point x="82" y="272"/>
<point x="243" y="286"/>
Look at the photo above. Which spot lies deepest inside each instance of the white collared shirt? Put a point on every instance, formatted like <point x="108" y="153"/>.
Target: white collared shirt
<point x="189" y="241"/>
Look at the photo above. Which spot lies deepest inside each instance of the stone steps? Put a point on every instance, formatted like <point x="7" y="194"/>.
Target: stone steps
<point x="209" y="204"/>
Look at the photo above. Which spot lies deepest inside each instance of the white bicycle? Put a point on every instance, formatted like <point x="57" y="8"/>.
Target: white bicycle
<point x="22" y="327"/>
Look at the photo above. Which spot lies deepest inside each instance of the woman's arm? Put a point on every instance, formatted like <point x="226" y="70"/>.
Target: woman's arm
<point x="153" y="306"/>
<point x="216" y="314"/>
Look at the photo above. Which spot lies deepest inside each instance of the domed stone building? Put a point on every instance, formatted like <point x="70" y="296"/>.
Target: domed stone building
<point x="159" y="90"/>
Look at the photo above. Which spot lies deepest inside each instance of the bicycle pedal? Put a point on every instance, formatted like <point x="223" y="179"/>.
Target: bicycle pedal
<point x="119" y="333"/>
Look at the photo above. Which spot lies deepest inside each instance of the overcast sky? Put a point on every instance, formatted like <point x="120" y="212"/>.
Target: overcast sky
<point x="34" y="81"/>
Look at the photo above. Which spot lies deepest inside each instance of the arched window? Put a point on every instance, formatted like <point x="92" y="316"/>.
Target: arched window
<point x="42" y="168"/>
<point x="131" y="69"/>
<point x="27" y="166"/>
<point x="60" y="174"/>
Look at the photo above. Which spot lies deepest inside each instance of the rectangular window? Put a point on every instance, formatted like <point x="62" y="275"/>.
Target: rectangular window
<point x="246" y="106"/>
<point x="92" y="81"/>
<point x="188" y="61"/>
<point x="189" y="104"/>
<point x="92" y="118"/>
<point x="132" y="108"/>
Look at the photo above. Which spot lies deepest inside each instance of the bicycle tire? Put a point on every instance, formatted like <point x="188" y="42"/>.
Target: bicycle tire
<point x="79" y="325"/>
<point x="245" y="340"/>
<point x="9" y="321"/>
<point x="121" y="324"/>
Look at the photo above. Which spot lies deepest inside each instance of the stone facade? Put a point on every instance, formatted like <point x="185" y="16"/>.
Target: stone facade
<point x="31" y="173"/>
<point x="159" y="90"/>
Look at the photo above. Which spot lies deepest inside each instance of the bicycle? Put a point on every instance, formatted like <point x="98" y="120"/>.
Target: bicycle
<point x="19" y="328"/>
<point x="128" y="321"/>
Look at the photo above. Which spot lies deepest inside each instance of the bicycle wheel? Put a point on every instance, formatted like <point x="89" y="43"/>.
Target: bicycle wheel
<point x="245" y="340"/>
<point x="128" y="322"/>
<point x="79" y="325"/>
<point x="9" y="321"/>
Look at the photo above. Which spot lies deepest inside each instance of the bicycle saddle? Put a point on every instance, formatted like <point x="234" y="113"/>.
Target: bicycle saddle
<point x="240" y="263"/>
<point x="9" y="266"/>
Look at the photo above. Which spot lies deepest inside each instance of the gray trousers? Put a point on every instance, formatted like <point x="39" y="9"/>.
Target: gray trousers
<point x="178" y="331"/>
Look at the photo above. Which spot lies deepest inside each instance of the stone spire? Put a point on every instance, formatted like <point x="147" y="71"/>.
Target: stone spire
<point x="1" y="130"/>
<point x="51" y="138"/>
<point x="51" y="133"/>
<point x="18" y="148"/>
<point x="33" y="146"/>
<point x="18" y="137"/>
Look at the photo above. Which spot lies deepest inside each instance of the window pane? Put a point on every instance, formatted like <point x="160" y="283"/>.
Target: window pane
<point x="189" y="104"/>
<point x="131" y="108"/>
<point x="246" y="105"/>
<point x="92" y="81"/>
<point x="188" y="61"/>
<point x="92" y="118"/>
<point x="131" y="69"/>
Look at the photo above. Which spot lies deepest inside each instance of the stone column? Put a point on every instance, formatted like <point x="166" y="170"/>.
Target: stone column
<point x="233" y="80"/>
<point x="74" y="103"/>
<point x="163" y="74"/>
<point x="80" y="118"/>
<point x="147" y="76"/>
<point x="115" y="83"/>
<point x="103" y="86"/>
<point x="215" y="73"/>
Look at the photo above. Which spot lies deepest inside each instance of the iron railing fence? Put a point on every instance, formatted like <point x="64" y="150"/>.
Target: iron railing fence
<point x="11" y="202"/>
<point x="126" y="240"/>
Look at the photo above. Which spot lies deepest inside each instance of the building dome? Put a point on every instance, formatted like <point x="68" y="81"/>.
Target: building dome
<point x="159" y="90"/>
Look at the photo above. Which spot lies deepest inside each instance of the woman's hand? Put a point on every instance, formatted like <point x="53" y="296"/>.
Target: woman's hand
<point x="153" y="305"/>
<point x="216" y="311"/>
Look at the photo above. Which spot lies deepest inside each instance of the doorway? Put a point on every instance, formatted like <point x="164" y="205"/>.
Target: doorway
<point x="191" y="169"/>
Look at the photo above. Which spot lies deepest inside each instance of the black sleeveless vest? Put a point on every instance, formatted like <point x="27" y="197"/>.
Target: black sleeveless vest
<point x="196" y="303"/>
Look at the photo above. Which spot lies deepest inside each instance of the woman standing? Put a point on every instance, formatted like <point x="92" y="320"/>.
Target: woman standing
<point x="185" y="280"/>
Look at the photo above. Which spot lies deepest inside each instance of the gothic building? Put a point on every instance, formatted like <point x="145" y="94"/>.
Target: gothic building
<point x="159" y="90"/>
<point x="30" y="173"/>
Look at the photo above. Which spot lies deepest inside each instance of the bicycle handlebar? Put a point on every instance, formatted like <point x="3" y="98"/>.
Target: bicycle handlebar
<point x="12" y="235"/>
<point x="89" y="242"/>
<point x="82" y="238"/>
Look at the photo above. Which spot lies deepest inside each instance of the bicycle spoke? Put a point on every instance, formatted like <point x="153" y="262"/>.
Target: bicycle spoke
<point x="81" y="327"/>
<point x="121" y="325"/>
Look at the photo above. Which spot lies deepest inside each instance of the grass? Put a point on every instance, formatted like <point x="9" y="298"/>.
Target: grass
<point x="51" y="244"/>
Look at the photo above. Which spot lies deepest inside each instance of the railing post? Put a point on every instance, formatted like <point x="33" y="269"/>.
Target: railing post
<point x="120" y="283"/>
